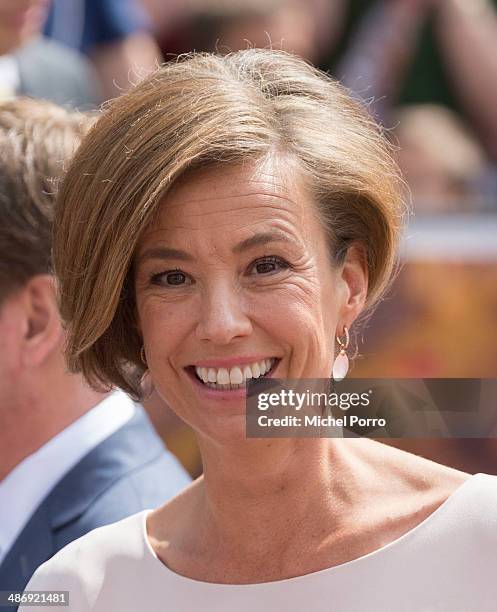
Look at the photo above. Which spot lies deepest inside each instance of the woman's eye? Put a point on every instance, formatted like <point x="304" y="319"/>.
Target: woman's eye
<point x="268" y="265"/>
<point x="173" y="278"/>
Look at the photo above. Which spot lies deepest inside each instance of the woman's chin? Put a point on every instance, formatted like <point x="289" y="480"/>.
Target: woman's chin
<point x="225" y="429"/>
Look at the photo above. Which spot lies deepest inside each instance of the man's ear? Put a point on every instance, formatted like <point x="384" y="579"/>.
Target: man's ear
<point x="43" y="334"/>
<point x="354" y="276"/>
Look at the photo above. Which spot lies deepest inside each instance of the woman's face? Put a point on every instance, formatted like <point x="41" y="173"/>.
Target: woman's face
<point x="232" y="278"/>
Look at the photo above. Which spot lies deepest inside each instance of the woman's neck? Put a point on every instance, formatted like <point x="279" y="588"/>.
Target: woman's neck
<point x="282" y="508"/>
<point x="277" y="491"/>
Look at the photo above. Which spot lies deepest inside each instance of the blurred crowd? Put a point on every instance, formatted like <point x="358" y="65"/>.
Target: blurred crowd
<point x="425" y="69"/>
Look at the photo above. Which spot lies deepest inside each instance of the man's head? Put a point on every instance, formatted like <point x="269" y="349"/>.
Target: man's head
<point x="37" y="139"/>
<point x="20" y="21"/>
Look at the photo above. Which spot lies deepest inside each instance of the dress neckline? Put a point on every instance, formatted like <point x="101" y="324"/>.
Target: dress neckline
<point x="333" y="570"/>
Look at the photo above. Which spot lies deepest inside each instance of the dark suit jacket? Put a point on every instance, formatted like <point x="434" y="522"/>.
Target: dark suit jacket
<point x="53" y="72"/>
<point x="128" y="472"/>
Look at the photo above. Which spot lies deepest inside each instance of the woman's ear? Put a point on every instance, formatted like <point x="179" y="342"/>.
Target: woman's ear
<point x="354" y="276"/>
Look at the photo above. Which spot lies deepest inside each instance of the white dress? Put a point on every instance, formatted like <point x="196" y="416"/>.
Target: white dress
<point x="446" y="563"/>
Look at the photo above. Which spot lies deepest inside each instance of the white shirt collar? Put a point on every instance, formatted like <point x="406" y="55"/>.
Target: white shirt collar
<point x="10" y="79"/>
<point x="32" y="480"/>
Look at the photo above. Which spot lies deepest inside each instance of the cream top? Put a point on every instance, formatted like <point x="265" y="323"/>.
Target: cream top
<point x="446" y="563"/>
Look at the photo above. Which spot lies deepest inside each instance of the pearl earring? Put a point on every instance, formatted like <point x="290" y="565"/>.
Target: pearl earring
<point x="341" y="363"/>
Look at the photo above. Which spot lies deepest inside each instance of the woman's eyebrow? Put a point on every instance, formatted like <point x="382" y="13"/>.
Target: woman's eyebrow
<point x="165" y="253"/>
<point x="262" y="238"/>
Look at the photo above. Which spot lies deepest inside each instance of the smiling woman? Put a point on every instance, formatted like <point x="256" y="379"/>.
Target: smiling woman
<point x="211" y="112"/>
<point x="231" y="218"/>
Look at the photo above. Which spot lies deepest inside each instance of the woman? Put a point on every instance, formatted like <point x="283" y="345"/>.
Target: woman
<point x="231" y="217"/>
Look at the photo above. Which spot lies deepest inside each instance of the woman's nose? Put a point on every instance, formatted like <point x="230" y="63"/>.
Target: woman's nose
<point x="222" y="317"/>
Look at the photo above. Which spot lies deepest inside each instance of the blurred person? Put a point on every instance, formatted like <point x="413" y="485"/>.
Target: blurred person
<point x="444" y="164"/>
<point x="238" y="239"/>
<point x="210" y="25"/>
<point x="383" y="47"/>
<point x="115" y="34"/>
<point x="71" y="459"/>
<point x="31" y="65"/>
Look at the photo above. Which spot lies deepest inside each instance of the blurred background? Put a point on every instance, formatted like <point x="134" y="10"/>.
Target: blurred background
<point x="425" y="69"/>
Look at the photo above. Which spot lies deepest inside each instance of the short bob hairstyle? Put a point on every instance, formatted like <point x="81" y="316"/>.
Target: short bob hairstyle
<point x="199" y="110"/>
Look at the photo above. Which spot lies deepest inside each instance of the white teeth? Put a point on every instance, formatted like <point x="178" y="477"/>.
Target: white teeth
<point x="247" y="372"/>
<point x="223" y="377"/>
<point x="235" y="377"/>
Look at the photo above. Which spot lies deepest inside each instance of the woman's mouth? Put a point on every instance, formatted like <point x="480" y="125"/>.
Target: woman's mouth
<point x="235" y="377"/>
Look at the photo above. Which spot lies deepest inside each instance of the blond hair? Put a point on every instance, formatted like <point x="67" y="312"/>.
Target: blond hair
<point x="37" y="139"/>
<point x="200" y="110"/>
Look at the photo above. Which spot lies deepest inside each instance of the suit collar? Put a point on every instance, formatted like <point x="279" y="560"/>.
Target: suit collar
<point x="28" y="552"/>
<point x="131" y="446"/>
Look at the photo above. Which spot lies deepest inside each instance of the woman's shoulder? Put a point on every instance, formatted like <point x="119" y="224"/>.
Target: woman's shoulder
<point x="465" y="524"/>
<point x="412" y="489"/>
<point x="80" y="566"/>
<point x="475" y="503"/>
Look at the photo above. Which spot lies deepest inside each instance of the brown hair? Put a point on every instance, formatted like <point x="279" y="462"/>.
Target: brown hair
<point x="37" y="139"/>
<point x="205" y="109"/>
